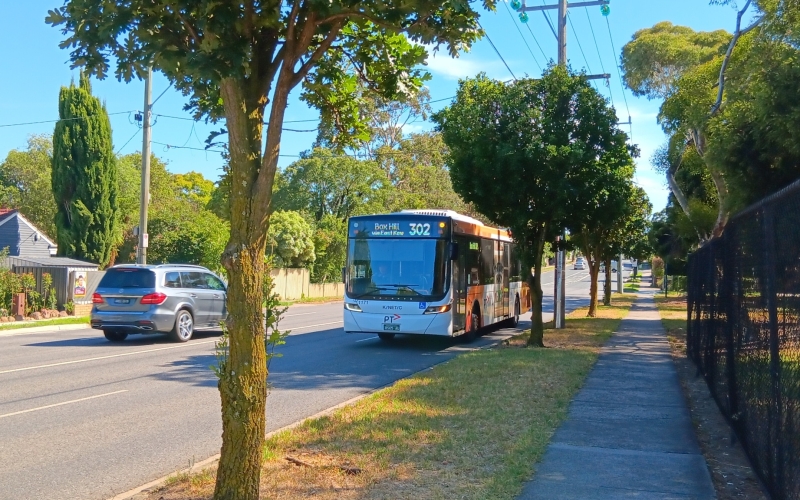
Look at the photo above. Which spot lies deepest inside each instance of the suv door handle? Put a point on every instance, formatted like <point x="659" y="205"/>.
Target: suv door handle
<point x="192" y="295"/>
<point x="216" y="295"/>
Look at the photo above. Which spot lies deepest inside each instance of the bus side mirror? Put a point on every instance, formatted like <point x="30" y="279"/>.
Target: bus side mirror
<point x="453" y="251"/>
<point x="343" y="273"/>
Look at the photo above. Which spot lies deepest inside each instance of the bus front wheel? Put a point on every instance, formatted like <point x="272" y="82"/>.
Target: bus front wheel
<point x="515" y="318"/>
<point x="474" y="324"/>
<point x="386" y="337"/>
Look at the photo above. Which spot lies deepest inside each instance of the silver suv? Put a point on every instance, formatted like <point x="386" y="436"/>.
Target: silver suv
<point x="169" y="298"/>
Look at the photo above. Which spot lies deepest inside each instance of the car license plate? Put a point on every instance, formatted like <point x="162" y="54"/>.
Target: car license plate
<point x="122" y="301"/>
<point x="391" y="327"/>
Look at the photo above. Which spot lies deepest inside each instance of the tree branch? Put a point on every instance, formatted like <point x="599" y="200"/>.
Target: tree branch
<point x="317" y="54"/>
<point x="736" y="35"/>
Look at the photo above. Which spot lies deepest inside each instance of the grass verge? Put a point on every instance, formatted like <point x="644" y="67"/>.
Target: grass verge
<point x="307" y="300"/>
<point x="470" y="428"/>
<point x="45" y="322"/>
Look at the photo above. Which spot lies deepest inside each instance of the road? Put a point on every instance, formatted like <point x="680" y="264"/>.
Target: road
<point x="84" y="418"/>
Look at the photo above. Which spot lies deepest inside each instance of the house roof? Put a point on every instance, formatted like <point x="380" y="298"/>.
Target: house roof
<point x="55" y="262"/>
<point x="6" y="214"/>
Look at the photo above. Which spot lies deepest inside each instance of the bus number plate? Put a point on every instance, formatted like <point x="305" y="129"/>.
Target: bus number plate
<point x="391" y="327"/>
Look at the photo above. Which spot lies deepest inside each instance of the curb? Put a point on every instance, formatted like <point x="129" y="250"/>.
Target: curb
<point x="210" y="461"/>
<point x="40" y="329"/>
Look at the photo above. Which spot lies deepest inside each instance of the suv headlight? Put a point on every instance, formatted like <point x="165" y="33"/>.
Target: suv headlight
<point x="438" y="309"/>
<point x="352" y="307"/>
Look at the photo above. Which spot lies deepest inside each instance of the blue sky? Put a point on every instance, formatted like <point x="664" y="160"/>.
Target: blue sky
<point x="34" y="68"/>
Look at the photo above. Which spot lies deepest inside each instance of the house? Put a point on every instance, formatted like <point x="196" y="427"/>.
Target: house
<point x="31" y="251"/>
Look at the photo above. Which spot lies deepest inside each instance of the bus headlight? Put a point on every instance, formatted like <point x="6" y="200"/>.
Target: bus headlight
<point x="438" y="309"/>
<point x="352" y="307"/>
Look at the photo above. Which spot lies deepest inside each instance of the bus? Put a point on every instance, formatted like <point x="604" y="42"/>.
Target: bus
<point x="430" y="272"/>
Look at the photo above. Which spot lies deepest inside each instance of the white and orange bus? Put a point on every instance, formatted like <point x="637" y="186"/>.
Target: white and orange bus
<point x="430" y="272"/>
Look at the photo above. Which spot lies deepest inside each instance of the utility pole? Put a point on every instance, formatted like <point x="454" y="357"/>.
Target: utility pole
<point x="560" y="294"/>
<point x="145" y="195"/>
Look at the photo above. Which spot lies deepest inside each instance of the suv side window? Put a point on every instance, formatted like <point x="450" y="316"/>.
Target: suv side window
<point x="193" y="279"/>
<point x="172" y="280"/>
<point x="213" y="282"/>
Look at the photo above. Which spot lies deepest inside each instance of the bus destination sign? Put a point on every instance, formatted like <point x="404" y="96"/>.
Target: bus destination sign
<point x="398" y="228"/>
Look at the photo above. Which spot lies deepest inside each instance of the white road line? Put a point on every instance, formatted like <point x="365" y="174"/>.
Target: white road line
<point x="105" y="357"/>
<point x="62" y="404"/>
<point x="310" y="326"/>
<point x="299" y="314"/>
<point x="364" y="340"/>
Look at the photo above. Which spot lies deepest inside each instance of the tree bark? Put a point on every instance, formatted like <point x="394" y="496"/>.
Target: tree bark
<point x="594" y="270"/>
<point x="537" y="325"/>
<point x="607" y="288"/>
<point x="243" y="373"/>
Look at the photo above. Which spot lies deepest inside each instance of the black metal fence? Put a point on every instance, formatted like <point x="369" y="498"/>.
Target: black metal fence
<point x="744" y="333"/>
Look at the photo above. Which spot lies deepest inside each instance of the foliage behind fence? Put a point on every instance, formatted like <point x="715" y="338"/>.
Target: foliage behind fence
<point x="744" y="333"/>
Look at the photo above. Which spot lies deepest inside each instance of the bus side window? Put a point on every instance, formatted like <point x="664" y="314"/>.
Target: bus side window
<point x="487" y="261"/>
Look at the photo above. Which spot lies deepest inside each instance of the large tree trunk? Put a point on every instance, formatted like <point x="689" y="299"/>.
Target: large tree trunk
<point x="537" y="325"/>
<point x="594" y="270"/>
<point x="243" y="372"/>
<point x="607" y="287"/>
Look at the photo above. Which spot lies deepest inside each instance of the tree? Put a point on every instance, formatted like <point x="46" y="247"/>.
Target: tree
<point x="25" y="175"/>
<point x="547" y="141"/>
<point x="233" y="59"/>
<point x="84" y="178"/>
<point x="326" y="183"/>
<point x="163" y="196"/>
<point x="421" y="177"/>
<point x="182" y="233"/>
<point x="656" y="57"/>
<point x="194" y="187"/>
<point x="290" y="240"/>
<point x="330" y="247"/>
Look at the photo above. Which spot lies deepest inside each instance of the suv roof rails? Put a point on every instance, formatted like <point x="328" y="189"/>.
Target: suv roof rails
<point x="195" y="266"/>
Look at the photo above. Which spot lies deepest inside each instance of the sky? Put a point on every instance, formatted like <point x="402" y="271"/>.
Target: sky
<point x="34" y="68"/>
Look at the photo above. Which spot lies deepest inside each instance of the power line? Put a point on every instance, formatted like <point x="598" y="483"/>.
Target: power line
<point x="159" y="97"/>
<point x="619" y="74"/>
<point x="569" y="18"/>
<point x="497" y="51"/>
<point x="62" y="119"/>
<point x="129" y="140"/>
<point x="514" y="22"/>
<point x="537" y="42"/>
<point x="602" y="66"/>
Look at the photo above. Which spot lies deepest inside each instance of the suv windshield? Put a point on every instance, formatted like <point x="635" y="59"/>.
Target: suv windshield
<point x="128" y="278"/>
<point x="397" y="267"/>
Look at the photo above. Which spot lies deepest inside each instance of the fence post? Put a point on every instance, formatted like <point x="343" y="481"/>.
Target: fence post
<point x="776" y="408"/>
<point x="729" y="274"/>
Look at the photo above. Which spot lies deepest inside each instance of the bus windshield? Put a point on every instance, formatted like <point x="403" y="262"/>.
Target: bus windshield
<point x="413" y="268"/>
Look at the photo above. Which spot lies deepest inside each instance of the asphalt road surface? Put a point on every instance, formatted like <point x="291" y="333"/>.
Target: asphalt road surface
<point x="82" y="418"/>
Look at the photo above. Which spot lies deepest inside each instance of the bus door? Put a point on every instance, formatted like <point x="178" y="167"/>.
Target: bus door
<point x="460" y="285"/>
<point x="506" y="260"/>
<point x="500" y="285"/>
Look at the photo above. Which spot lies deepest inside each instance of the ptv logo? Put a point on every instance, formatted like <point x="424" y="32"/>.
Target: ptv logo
<point x="391" y="319"/>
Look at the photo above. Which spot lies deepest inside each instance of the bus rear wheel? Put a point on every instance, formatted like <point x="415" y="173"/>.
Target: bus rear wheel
<point x="386" y="337"/>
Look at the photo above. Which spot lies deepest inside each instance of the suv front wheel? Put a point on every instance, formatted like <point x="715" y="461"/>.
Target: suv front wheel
<point x="184" y="326"/>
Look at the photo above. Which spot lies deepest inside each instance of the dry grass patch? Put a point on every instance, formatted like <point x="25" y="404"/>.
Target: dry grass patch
<point x="470" y="428"/>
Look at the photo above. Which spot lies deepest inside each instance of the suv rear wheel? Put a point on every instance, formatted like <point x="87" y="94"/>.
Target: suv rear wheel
<point x="184" y="326"/>
<point x="114" y="335"/>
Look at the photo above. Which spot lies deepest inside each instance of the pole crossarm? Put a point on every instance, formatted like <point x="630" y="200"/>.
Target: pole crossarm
<point x="593" y="3"/>
<point x="601" y="76"/>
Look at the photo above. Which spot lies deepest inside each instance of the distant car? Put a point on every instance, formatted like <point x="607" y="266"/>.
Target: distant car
<point x="613" y="267"/>
<point x="580" y="264"/>
<point x="169" y="298"/>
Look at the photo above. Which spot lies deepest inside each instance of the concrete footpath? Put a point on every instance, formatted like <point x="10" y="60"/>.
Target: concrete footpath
<point x="628" y="433"/>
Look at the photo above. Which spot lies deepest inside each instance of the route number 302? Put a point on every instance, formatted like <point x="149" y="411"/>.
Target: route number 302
<point x="419" y="229"/>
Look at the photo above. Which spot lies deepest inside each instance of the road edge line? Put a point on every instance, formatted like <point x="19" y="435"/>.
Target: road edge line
<point x="208" y="462"/>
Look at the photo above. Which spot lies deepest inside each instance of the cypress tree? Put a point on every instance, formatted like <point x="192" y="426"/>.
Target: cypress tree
<point x="84" y="178"/>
